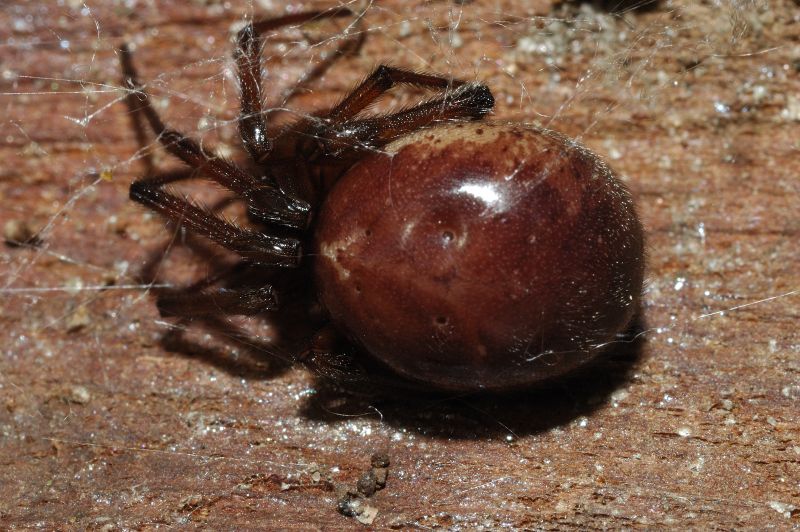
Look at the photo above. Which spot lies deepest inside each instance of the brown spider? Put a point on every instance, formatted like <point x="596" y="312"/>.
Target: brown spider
<point x="466" y="256"/>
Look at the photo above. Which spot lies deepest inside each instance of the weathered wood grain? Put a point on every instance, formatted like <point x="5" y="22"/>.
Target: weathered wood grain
<point x="694" y="426"/>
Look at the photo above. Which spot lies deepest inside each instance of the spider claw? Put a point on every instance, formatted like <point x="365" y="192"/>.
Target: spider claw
<point x="268" y="205"/>
<point x="476" y="98"/>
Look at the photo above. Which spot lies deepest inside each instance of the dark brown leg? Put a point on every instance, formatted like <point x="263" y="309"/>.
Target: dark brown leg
<point x="468" y="101"/>
<point x="253" y="246"/>
<point x="330" y="358"/>
<point x="252" y="124"/>
<point x="173" y="176"/>
<point x="381" y="80"/>
<point x="244" y="302"/>
<point x="335" y="132"/>
<point x="265" y="202"/>
<point x="325" y="358"/>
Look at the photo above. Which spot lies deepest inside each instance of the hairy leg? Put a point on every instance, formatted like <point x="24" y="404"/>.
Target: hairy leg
<point x="214" y="301"/>
<point x="335" y="131"/>
<point x="252" y="123"/>
<point x="266" y="202"/>
<point x="253" y="246"/>
<point x="468" y="101"/>
<point x="380" y="81"/>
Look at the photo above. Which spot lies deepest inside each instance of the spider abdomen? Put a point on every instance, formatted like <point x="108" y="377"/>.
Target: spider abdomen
<point x="480" y="255"/>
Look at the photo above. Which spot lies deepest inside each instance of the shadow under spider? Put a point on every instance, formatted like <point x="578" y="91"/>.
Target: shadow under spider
<point x="483" y="415"/>
<point x="348" y="386"/>
<point x="253" y="363"/>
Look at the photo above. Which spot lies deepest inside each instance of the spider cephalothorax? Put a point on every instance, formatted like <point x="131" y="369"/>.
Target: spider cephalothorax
<point x="463" y="254"/>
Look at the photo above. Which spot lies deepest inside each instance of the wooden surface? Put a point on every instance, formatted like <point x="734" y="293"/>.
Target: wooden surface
<point x="695" y="425"/>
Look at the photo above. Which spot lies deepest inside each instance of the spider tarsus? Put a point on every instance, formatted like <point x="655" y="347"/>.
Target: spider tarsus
<point x="268" y="205"/>
<point x="476" y="98"/>
<point x="245" y="39"/>
<point x="383" y="77"/>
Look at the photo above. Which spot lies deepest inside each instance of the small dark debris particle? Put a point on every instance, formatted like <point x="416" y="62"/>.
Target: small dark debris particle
<point x="368" y="483"/>
<point x="191" y="502"/>
<point x="17" y="233"/>
<point x="78" y="319"/>
<point x="352" y="503"/>
<point x="349" y="507"/>
<point x="381" y="473"/>
<point x="690" y="63"/>
<point x="347" y="501"/>
<point x="77" y="394"/>
<point x="380" y="459"/>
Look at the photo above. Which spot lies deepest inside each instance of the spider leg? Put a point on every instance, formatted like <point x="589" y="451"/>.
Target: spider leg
<point x="380" y="81"/>
<point x="336" y="137"/>
<point x="324" y="356"/>
<point x="467" y="101"/>
<point x="331" y="358"/>
<point x="243" y="301"/>
<point x="252" y="124"/>
<point x="203" y="301"/>
<point x="254" y="246"/>
<point x="264" y="201"/>
<point x="336" y="130"/>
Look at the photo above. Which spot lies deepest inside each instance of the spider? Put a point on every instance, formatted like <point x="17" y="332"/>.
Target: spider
<point x="459" y="253"/>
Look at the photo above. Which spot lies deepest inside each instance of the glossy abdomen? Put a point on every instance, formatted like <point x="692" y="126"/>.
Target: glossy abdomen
<point x="479" y="255"/>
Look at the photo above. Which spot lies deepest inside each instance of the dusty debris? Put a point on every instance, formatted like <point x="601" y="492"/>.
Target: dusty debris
<point x="314" y="472"/>
<point x="348" y="502"/>
<point x="195" y="506"/>
<point x="191" y="502"/>
<point x="103" y="524"/>
<point x="17" y="233"/>
<point x="352" y="503"/>
<point x="367" y="484"/>
<point x="367" y="515"/>
<point x="380" y="460"/>
<point x="380" y="469"/>
<point x="381" y="473"/>
<point x="76" y="394"/>
<point x="78" y="319"/>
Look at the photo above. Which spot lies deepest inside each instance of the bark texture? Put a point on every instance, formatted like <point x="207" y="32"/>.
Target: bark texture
<point x="694" y="425"/>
